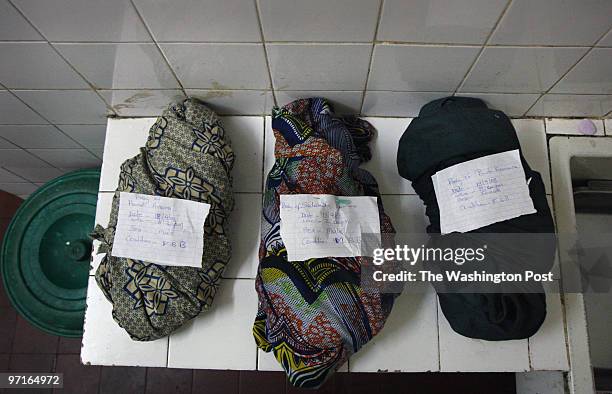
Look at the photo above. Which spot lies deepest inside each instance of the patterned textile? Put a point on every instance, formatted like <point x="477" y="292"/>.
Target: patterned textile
<point x="314" y="314"/>
<point x="188" y="156"/>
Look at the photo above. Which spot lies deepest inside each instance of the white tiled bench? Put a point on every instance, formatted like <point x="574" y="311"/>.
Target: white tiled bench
<point x="416" y="338"/>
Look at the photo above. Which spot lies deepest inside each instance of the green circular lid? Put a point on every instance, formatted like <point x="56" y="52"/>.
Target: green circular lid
<point x="46" y="253"/>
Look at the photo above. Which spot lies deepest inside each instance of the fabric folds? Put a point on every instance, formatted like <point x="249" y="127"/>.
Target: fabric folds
<point x="312" y="315"/>
<point x="187" y="155"/>
<point x="453" y="130"/>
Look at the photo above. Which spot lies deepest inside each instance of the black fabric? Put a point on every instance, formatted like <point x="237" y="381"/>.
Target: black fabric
<point x="454" y="130"/>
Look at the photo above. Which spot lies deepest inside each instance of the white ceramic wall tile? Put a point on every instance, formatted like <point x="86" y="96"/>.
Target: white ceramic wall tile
<point x="13" y="111"/>
<point x="565" y="105"/>
<point x="513" y="104"/>
<point x="198" y="344"/>
<point x="85" y="20"/>
<point x="37" y="174"/>
<point x="407" y="213"/>
<point x="219" y="66"/>
<point x="347" y="102"/>
<point x="591" y="75"/>
<point x="8" y="177"/>
<point x="520" y="70"/>
<point x="319" y="20"/>
<point x="79" y="158"/>
<point x="105" y="343"/>
<point x="197" y="21"/>
<point x="540" y="382"/>
<point x="381" y="103"/>
<point x="4" y="144"/>
<point x="319" y="66"/>
<point x="244" y="224"/>
<point x="547" y="348"/>
<point x="66" y="106"/>
<point x="20" y="158"/>
<point x="608" y="126"/>
<point x="18" y="189"/>
<point x="13" y="26"/>
<point x="463" y="21"/>
<point x="120" y="66"/>
<point x="124" y="137"/>
<point x="573" y="126"/>
<point x="532" y="137"/>
<point x="410" y="329"/>
<point x="419" y="68"/>
<point x="90" y="136"/>
<point x="141" y="102"/>
<point x="232" y="102"/>
<point x="606" y="41"/>
<point x="29" y="65"/>
<point x="247" y="136"/>
<point x="459" y="353"/>
<point x="103" y="210"/>
<point x="37" y="136"/>
<point x="384" y="153"/>
<point x="550" y="22"/>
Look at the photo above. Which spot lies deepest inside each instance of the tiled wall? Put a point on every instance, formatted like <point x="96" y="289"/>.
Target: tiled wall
<point x="67" y="64"/>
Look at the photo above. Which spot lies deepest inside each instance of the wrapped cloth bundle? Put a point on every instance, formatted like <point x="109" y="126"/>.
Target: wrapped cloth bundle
<point x="314" y="314"/>
<point x="187" y="155"/>
<point x="454" y="130"/>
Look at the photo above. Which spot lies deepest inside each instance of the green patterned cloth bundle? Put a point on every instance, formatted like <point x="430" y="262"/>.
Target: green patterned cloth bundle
<point x="187" y="156"/>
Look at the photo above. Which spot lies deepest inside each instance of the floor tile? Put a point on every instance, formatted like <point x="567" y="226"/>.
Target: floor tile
<point x="87" y="135"/>
<point x="404" y="104"/>
<point x="513" y="105"/>
<point x="18" y="189"/>
<point x="78" y="378"/>
<point x="572" y="105"/>
<point x="343" y="102"/>
<point x="80" y="158"/>
<point x="412" y="328"/>
<point x="20" y="158"/>
<point x="257" y="382"/>
<point x="383" y="164"/>
<point x="540" y="382"/>
<point x="244" y="224"/>
<point x="32" y="362"/>
<point x="29" y="339"/>
<point x="141" y="102"/>
<point x="7" y="328"/>
<point x="122" y="380"/>
<point x="37" y="174"/>
<point x="215" y="381"/>
<point x="169" y="380"/>
<point x="198" y="345"/>
<point x="246" y="134"/>
<point x="13" y="111"/>
<point x="39" y="136"/>
<point x="69" y="345"/>
<point x="13" y="26"/>
<point x="66" y="106"/>
<point x="236" y="102"/>
<point x="105" y="343"/>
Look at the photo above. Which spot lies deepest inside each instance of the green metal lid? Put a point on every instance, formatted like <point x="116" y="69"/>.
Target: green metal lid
<point x="46" y="253"/>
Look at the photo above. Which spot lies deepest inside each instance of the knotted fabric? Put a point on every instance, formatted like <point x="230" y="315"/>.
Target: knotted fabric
<point x="314" y="314"/>
<point x="187" y="155"/>
<point x="453" y="130"/>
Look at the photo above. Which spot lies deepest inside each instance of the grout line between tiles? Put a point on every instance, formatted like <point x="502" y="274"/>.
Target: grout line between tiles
<point x="265" y="50"/>
<point x="482" y="48"/>
<point x="367" y="81"/>
<point x="159" y="49"/>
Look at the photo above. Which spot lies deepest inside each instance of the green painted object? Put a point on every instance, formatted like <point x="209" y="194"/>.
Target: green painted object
<point x="46" y="253"/>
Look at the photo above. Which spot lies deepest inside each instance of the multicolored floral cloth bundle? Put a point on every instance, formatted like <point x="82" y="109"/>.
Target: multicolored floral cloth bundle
<point x="187" y="156"/>
<point x="314" y="314"/>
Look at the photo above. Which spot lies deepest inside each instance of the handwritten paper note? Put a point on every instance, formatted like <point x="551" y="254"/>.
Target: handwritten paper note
<point x="482" y="191"/>
<point x="322" y="225"/>
<point x="160" y="230"/>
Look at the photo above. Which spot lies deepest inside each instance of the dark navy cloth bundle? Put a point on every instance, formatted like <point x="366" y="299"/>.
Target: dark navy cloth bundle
<point x="453" y="130"/>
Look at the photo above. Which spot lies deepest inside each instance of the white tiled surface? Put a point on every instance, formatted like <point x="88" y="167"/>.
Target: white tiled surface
<point x="76" y="61"/>
<point x="416" y="337"/>
<point x="573" y="126"/>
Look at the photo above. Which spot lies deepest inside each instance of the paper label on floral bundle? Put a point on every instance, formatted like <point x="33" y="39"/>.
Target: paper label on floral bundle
<point x="322" y="225"/>
<point x="161" y="230"/>
<point x="483" y="191"/>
